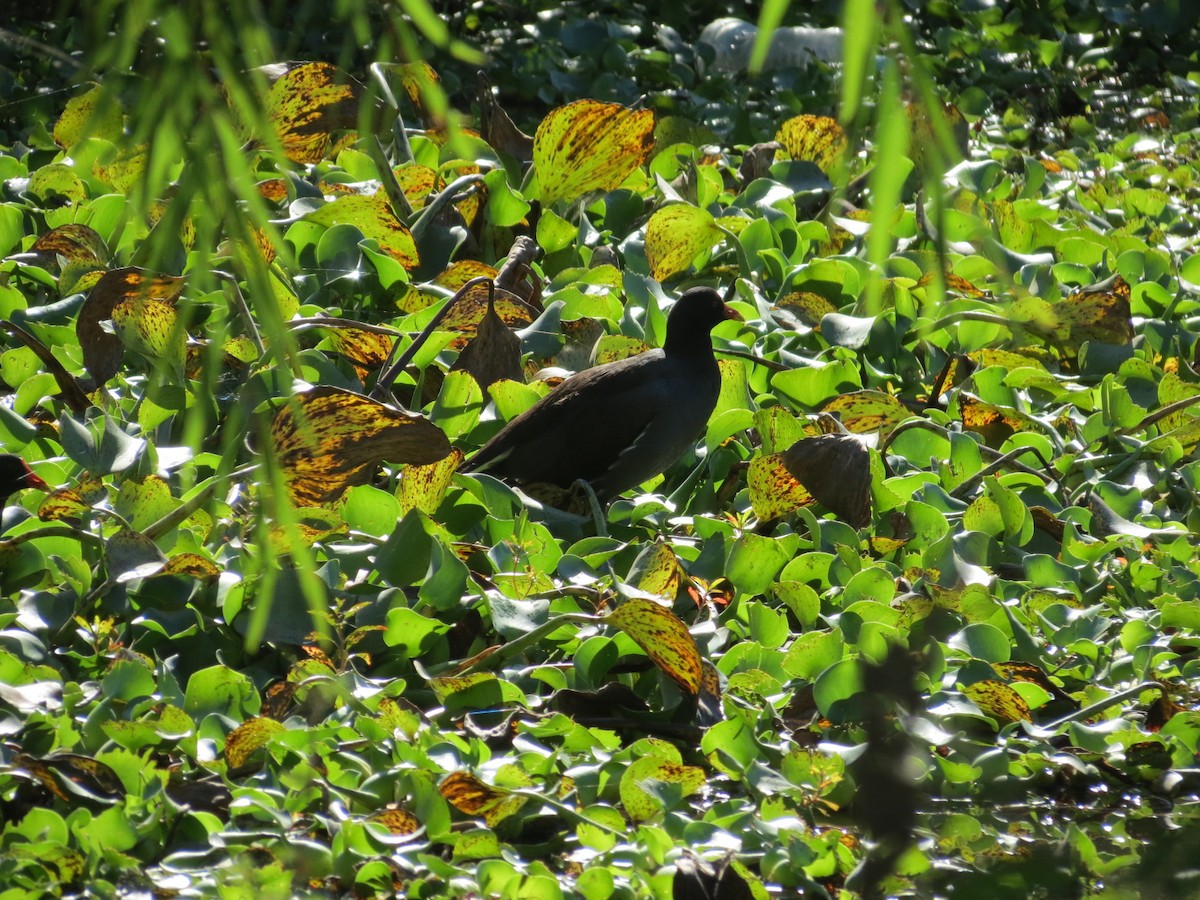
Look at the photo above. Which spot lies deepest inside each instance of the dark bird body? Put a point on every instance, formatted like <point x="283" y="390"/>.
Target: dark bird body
<point x="617" y="425"/>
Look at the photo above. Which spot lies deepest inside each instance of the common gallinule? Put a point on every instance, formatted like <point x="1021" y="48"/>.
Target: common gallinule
<point x="618" y="424"/>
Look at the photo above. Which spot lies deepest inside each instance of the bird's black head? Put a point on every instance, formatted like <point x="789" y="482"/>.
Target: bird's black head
<point x="693" y="316"/>
<point x="15" y="475"/>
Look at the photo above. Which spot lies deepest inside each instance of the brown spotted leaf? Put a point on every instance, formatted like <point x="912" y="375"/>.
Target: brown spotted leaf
<point x="469" y="795"/>
<point x="773" y="489"/>
<point x="72" y="242"/>
<point x="998" y="700"/>
<point x="366" y="350"/>
<point x="676" y="235"/>
<point x="329" y="439"/>
<point x="1095" y="316"/>
<point x="71" y="776"/>
<point x="639" y="803"/>
<point x="868" y="412"/>
<point x="423" y="487"/>
<point x="64" y="504"/>
<point x="397" y="821"/>
<point x="252" y="734"/>
<point x="995" y="423"/>
<point x="124" y="170"/>
<point x="150" y="327"/>
<point x="663" y="637"/>
<point x="589" y="146"/>
<point x="421" y="83"/>
<point x="815" y="139"/>
<point x="95" y="113"/>
<point x="470" y="310"/>
<point x="373" y="216"/>
<point x="102" y="351"/>
<point x="806" y="306"/>
<point x="307" y="105"/>
<point x="193" y="565"/>
<point x="657" y="571"/>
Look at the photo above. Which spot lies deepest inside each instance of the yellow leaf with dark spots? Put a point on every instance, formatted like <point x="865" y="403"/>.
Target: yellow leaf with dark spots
<point x="373" y="216"/>
<point x="773" y="489"/>
<point x="657" y="571"/>
<point x="397" y="821"/>
<point x="307" y="105"/>
<point x="193" y="565"/>
<point x="868" y="412"/>
<point x="95" y="113"/>
<point x="329" y="439"/>
<point x="150" y="327"/>
<point x="470" y="309"/>
<point x="248" y="737"/>
<point x="639" y="803"/>
<point x="469" y="795"/>
<point x="366" y="350"/>
<point x="102" y="351"/>
<point x="1095" y="316"/>
<point x="816" y="139"/>
<point x="663" y="637"/>
<point x="998" y="700"/>
<point x="589" y="146"/>
<point x="676" y="235"/>
<point x="74" y="243"/>
<point x="423" y="487"/>
<point x="808" y="307"/>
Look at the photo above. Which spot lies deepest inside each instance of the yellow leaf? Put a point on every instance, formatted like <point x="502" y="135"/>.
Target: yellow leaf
<point x="589" y="146"/>
<point x="676" y="235"/>
<point x="663" y="637"/>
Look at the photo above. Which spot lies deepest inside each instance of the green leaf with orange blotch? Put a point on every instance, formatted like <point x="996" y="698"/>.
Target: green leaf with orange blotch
<point x="589" y="146"/>
<point x="773" y="489"/>
<point x="307" y="105"/>
<point x="868" y="412"/>
<point x="998" y="700"/>
<point x="816" y="139"/>
<point x="663" y="637"/>
<point x="676" y="235"/>
<point x="329" y="439"/>
<point x="640" y="803"/>
<point x="373" y="216"/>
<point x="461" y="271"/>
<point x="249" y="736"/>
<point x="423" y="487"/>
